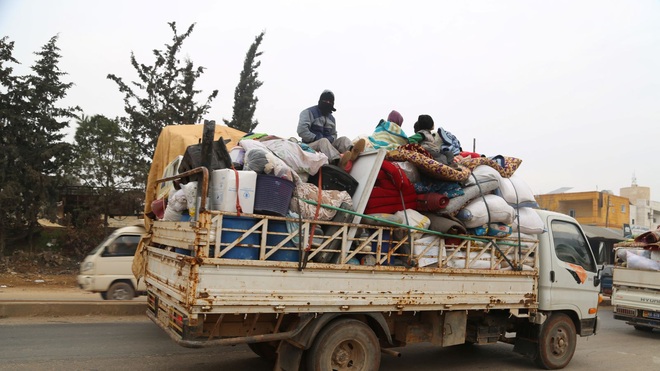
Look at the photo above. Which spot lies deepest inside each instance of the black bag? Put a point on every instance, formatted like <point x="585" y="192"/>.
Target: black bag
<point x="192" y="159"/>
<point x="335" y="178"/>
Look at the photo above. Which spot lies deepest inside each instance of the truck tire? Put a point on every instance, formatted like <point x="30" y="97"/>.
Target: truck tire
<point x="267" y="351"/>
<point x="557" y="340"/>
<point x="120" y="291"/>
<point x="344" y="344"/>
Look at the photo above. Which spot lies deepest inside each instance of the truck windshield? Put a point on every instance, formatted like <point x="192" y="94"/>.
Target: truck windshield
<point x="571" y="246"/>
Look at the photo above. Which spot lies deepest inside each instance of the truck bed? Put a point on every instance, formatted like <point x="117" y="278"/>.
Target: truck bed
<point x="636" y="289"/>
<point x="185" y="273"/>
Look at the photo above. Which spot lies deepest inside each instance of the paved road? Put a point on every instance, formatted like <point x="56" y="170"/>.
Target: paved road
<point x="134" y="343"/>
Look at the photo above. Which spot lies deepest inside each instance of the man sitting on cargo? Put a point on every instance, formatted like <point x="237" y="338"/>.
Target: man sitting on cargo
<point x="317" y="128"/>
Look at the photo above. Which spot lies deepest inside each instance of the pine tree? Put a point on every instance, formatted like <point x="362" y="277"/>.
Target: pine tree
<point x="245" y="103"/>
<point x="9" y="186"/>
<point x="164" y="95"/>
<point x="33" y="124"/>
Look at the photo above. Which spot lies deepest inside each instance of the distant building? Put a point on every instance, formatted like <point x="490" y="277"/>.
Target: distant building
<point x="601" y="209"/>
<point x="602" y="215"/>
<point x="644" y="213"/>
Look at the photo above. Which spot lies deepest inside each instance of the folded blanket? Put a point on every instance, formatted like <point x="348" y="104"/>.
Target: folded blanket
<point x="423" y="160"/>
<point x="510" y="164"/>
<point x="649" y="237"/>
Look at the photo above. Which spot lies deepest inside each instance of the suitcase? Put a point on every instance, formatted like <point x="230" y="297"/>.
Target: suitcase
<point x="335" y="178"/>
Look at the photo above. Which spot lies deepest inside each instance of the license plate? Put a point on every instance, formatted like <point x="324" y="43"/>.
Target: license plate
<point x="648" y="314"/>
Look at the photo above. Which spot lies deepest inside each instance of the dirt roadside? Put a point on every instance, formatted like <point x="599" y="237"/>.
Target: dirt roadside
<point x="38" y="280"/>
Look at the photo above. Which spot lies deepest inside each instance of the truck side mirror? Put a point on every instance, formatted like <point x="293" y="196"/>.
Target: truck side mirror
<point x="598" y="273"/>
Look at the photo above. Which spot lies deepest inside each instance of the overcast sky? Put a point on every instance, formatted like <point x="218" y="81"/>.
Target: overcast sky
<point x="570" y="87"/>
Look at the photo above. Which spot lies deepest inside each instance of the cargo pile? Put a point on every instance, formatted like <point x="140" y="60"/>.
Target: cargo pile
<point x="474" y="195"/>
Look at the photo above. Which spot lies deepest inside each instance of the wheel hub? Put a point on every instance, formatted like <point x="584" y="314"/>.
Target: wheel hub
<point x="343" y="358"/>
<point x="559" y="343"/>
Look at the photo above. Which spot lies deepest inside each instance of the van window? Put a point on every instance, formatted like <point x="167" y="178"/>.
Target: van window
<point x="571" y="246"/>
<point x="122" y="246"/>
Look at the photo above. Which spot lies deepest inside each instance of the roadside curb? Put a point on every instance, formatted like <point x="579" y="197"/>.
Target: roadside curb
<point x="73" y="308"/>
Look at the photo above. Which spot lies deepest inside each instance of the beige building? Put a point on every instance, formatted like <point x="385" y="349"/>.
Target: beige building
<point x="644" y="213"/>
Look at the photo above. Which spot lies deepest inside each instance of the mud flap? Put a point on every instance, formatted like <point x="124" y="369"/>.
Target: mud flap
<point x="289" y="357"/>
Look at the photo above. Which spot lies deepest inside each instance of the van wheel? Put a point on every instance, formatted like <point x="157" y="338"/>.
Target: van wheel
<point x="120" y="291"/>
<point x="344" y="344"/>
<point x="557" y="340"/>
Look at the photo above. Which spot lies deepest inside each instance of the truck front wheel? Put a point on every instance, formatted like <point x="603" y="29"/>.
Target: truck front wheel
<point x="344" y="344"/>
<point x="557" y="341"/>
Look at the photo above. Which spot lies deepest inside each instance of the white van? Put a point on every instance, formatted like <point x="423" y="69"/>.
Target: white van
<point x="107" y="268"/>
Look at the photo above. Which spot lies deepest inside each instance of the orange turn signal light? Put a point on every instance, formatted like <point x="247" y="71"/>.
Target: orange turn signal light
<point x="593" y="310"/>
<point x="600" y="298"/>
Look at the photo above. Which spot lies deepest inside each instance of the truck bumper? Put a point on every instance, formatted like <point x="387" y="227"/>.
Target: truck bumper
<point x="589" y="326"/>
<point x="637" y="317"/>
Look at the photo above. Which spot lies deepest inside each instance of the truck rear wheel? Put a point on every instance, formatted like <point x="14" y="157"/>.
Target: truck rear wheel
<point x="557" y="341"/>
<point x="120" y="291"/>
<point x="344" y="344"/>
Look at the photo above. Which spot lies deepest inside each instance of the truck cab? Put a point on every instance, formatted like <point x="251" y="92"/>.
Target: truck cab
<point x="568" y="275"/>
<point x="107" y="268"/>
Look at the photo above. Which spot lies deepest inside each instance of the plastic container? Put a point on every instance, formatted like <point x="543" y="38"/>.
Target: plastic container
<point x="223" y="194"/>
<point x="242" y="250"/>
<point x="273" y="239"/>
<point x="273" y="195"/>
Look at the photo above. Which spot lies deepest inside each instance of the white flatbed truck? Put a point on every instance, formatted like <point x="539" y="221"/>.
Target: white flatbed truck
<point x="335" y="315"/>
<point x="636" y="292"/>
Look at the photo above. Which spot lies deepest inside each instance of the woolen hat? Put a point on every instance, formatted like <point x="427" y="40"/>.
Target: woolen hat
<point x="424" y="122"/>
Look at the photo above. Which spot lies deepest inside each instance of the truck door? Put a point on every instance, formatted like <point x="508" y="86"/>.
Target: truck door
<point x="573" y="269"/>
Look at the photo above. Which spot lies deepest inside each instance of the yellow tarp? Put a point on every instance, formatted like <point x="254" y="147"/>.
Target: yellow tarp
<point x="172" y="142"/>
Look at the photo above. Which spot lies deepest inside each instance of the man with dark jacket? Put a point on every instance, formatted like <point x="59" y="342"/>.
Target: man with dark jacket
<point x="318" y="129"/>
